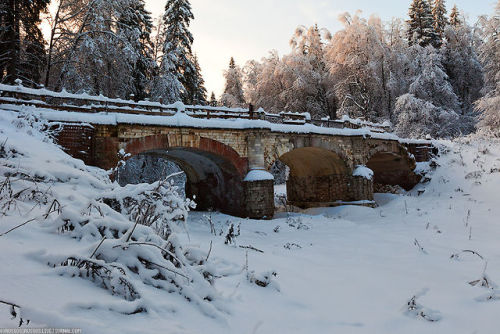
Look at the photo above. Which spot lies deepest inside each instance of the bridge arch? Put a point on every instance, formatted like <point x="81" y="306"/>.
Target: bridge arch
<point x="280" y="147"/>
<point x="318" y="177"/>
<point x="163" y="141"/>
<point x="214" y="171"/>
<point x="392" y="166"/>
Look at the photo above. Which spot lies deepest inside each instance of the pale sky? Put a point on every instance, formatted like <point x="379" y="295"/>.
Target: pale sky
<point x="249" y="29"/>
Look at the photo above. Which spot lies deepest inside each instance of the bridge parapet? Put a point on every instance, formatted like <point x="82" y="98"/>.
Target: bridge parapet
<point x="85" y="103"/>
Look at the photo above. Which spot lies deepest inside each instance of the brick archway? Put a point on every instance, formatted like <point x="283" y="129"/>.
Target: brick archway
<point x="279" y="148"/>
<point x="159" y="142"/>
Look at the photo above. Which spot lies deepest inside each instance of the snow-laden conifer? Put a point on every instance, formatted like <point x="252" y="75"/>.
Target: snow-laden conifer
<point x="421" y="28"/>
<point x="22" y="46"/>
<point x="440" y="19"/>
<point x="455" y="16"/>
<point x="233" y="90"/>
<point x="177" y="57"/>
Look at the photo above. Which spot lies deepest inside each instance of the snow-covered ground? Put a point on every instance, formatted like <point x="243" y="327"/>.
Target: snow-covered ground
<point x="398" y="268"/>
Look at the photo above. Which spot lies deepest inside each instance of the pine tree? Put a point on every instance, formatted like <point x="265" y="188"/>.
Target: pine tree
<point x="233" y="91"/>
<point x="440" y="19"/>
<point x="421" y="29"/>
<point x="22" y="46"/>
<point x="135" y="26"/>
<point x="178" y="41"/>
<point x="213" y="100"/>
<point x="166" y="86"/>
<point x="199" y="92"/>
<point x="455" y="17"/>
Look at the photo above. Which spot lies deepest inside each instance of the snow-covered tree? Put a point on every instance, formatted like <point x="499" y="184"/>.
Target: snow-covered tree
<point x="440" y="19"/>
<point x="417" y="118"/>
<point x="455" y="16"/>
<point x="489" y="54"/>
<point x="401" y="67"/>
<point x="297" y="82"/>
<point x="233" y="91"/>
<point x="100" y="46"/>
<point x="431" y="82"/>
<point x="421" y="28"/>
<point x="430" y="97"/>
<point x="177" y="43"/>
<point x="213" y="100"/>
<point x="462" y="65"/>
<point x="135" y="26"/>
<point x="311" y="81"/>
<point x="357" y="57"/>
<point x="22" y="46"/>
<point x="265" y="83"/>
<point x="166" y="86"/>
<point x="198" y="93"/>
<point x="251" y="80"/>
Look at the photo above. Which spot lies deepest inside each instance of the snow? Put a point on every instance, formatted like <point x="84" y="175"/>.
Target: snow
<point x="346" y="269"/>
<point x="179" y="106"/>
<point x="183" y="119"/>
<point x="258" y="175"/>
<point x="363" y="171"/>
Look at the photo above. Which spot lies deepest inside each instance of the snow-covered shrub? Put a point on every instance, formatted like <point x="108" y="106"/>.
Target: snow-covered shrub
<point x="418" y="118"/>
<point x="56" y="194"/>
<point x="156" y="205"/>
<point x="490" y="117"/>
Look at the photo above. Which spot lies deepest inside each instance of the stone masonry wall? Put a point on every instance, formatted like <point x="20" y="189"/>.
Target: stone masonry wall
<point x="259" y="199"/>
<point x="361" y="189"/>
<point x="321" y="189"/>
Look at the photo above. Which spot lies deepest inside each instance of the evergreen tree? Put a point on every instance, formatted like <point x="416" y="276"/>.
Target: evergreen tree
<point x="421" y="29"/>
<point x="166" y="85"/>
<point x="178" y="41"/>
<point x="455" y="16"/>
<point x="233" y="91"/>
<point x="431" y="81"/>
<point x="135" y="26"/>
<point x="430" y="106"/>
<point x="213" y="100"/>
<point x="199" y="92"/>
<point x="462" y="65"/>
<point x="440" y="19"/>
<point x="22" y="46"/>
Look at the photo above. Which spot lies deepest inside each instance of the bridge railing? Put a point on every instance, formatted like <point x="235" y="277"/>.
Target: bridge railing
<point x="65" y="101"/>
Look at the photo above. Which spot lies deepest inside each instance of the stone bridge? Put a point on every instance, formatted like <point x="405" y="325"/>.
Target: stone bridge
<point x="217" y="160"/>
<point x="225" y="159"/>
